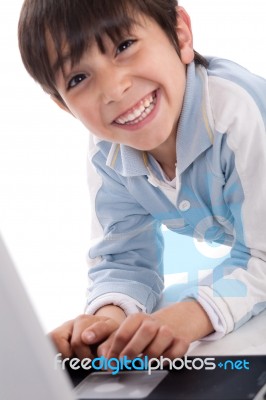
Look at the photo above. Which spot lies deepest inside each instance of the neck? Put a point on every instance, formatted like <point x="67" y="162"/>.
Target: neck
<point x="165" y="155"/>
<point x="169" y="170"/>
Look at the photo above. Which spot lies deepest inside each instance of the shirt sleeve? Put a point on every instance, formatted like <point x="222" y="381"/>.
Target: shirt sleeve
<point x="238" y="290"/>
<point x="126" y="303"/>
<point x="126" y="253"/>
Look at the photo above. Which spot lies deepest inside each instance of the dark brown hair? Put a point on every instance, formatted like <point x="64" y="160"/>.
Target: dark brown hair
<point x="78" y="23"/>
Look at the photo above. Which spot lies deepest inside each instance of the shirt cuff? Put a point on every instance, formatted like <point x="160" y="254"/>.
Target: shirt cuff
<point x="126" y="303"/>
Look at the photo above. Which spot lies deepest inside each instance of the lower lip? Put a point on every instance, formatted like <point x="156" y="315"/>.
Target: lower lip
<point x="141" y="124"/>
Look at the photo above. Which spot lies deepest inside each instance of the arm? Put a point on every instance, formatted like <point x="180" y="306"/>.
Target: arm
<point x="238" y="291"/>
<point x="125" y="258"/>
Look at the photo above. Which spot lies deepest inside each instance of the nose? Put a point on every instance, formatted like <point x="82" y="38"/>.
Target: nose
<point x="114" y="83"/>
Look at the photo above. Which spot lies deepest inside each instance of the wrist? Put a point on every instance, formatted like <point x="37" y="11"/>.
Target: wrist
<point x="111" y="311"/>
<point x="187" y="319"/>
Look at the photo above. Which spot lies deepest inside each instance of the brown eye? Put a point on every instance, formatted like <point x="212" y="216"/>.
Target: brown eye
<point x="124" y="45"/>
<point x="76" y="80"/>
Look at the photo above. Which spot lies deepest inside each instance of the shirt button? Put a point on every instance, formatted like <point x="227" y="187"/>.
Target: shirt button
<point x="184" y="205"/>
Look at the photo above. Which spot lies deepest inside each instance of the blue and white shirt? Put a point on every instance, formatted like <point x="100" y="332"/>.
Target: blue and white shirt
<point x="219" y="195"/>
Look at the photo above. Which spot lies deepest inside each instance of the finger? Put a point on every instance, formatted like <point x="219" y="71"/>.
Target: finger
<point x="163" y="340"/>
<point x="143" y="338"/>
<point x="128" y="340"/>
<point x="118" y="341"/>
<point x="61" y="339"/>
<point x="81" y="349"/>
<point x="99" y="331"/>
<point x="63" y="346"/>
<point x="178" y="348"/>
<point x="104" y="347"/>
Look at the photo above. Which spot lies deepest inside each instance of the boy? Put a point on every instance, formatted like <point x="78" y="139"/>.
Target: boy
<point x="176" y="140"/>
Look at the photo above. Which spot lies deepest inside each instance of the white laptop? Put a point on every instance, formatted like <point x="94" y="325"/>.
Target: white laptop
<point x="27" y="358"/>
<point x="26" y="355"/>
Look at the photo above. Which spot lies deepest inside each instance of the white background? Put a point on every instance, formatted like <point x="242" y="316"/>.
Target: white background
<point x="44" y="205"/>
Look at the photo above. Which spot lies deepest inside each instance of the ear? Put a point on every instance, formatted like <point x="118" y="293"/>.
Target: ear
<point x="185" y="37"/>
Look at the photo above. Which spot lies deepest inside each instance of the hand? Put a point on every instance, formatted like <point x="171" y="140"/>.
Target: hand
<point x="143" y="334"/>
<point x="167" y="332"/>
<point x="76" y="338"/>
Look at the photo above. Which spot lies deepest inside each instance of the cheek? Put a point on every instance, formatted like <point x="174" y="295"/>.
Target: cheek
<point x="87" y="115"/>
<point x="93" y="122"/>
<point x="91" y="117"/>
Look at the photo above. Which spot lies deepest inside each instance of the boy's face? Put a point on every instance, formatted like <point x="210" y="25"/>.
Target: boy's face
<point x="133" y="93"/>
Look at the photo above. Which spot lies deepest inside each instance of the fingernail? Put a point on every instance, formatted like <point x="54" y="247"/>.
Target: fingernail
<point x="90" y="336"/>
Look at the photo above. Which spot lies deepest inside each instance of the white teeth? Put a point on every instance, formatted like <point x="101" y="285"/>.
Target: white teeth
<point x="146" y="106"/>
<point x="137" y="113"/>
<point x="143" y="115"/>
<point x="131" y="117"/>
<point x="141" y="108"/>
<point x="146" y="103"/>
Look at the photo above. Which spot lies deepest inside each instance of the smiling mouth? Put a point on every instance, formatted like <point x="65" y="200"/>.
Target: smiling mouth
<point x="139" y="112"/>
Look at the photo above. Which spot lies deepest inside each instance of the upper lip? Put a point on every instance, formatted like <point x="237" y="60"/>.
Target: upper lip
<point x="136" y="105"/>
